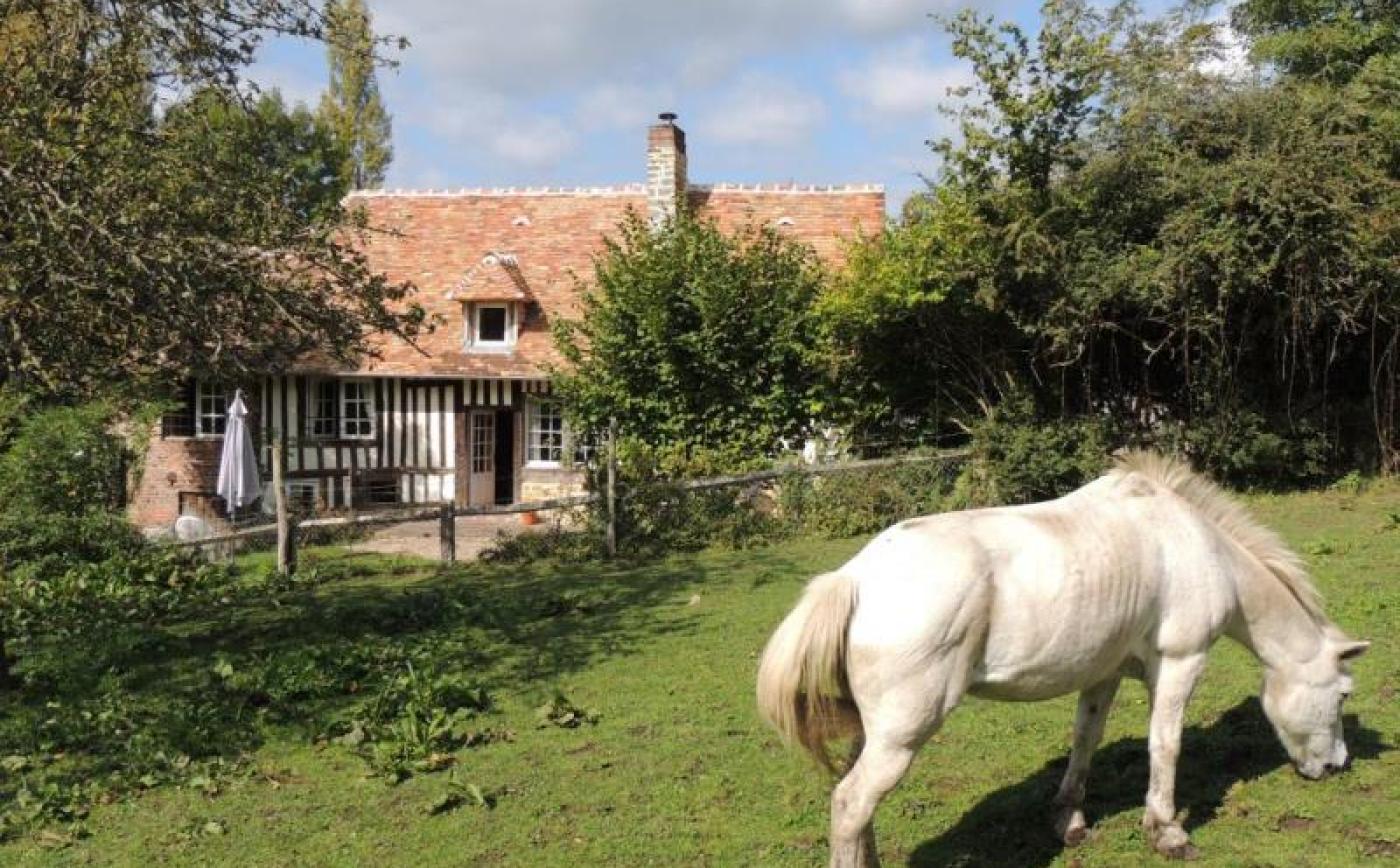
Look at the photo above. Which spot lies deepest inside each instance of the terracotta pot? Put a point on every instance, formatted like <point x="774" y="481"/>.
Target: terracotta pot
<point x="529" y="518"/>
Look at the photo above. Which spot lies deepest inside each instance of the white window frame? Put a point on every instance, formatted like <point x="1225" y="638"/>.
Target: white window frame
<point x="474" y="341"/>
<point x="532" y="417"/>
<point x="217" y="419"/>
<point x="349" y="423"/>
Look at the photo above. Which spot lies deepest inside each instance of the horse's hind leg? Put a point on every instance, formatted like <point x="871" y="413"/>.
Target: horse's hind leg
<point x="882" y="763"/>
<point x="1089" y="721"/>
<point x="897" y="721"/>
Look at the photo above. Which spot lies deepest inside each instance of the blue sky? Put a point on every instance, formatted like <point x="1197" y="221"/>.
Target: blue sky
<point x="559" y="92"/>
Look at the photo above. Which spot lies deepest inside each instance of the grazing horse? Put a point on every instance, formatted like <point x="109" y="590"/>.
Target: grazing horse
<point x="1137" y="573"/>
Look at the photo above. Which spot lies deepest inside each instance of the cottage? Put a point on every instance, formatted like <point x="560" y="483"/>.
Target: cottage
<point x="469" y="418"/>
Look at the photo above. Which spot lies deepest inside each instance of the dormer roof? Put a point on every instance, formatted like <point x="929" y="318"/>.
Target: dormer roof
<point x="496" y="277"/>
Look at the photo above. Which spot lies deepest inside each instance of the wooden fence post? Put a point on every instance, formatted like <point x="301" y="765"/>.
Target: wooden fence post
<point x="447" y="533"/>
<point x="611" y="538"/>
<point x="286" y="529"/>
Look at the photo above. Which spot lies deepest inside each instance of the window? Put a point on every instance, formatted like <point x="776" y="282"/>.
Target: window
<point x="356" y="409"/>
<point x="303" y="494"/>
<point x="210" y="410"/>
<point x="322" y="407"/>
<point x="491" y="326"/>
<point x="483" y="443"/>
<point x="545" y="441"/>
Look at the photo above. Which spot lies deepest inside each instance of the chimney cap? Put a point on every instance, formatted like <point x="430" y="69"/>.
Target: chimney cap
<point x="668" y="117"/>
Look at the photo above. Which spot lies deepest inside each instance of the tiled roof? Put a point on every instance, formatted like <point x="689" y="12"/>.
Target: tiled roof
<point x="438" y="238"/>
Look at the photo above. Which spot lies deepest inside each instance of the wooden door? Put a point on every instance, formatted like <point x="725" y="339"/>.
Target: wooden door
<point x="483" y="457"/>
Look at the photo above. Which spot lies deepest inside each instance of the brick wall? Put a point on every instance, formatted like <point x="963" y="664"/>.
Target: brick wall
<point x="173" y="465"/>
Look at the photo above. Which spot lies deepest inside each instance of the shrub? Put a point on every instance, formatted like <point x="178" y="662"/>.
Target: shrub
<point x="1019" y="458"/>
<point x="63" y="461"/>
<point x="865" y="501"/>
<point x="1242" y="448"/>
<point x="556" y="543"/>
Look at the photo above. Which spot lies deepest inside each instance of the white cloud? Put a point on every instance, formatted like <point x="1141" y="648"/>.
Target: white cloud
<point x="537" y="141"/>
<point x="762" y="110"/>
<point x="621" y="106"/>
<point x="538" y="45"/>
<point x="900" y="82"/>
<point x="886" y="16"/>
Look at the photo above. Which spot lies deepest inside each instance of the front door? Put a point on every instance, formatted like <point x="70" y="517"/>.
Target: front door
<point x="482" y="486"/>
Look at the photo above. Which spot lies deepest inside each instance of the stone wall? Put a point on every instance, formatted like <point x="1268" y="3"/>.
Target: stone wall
<point x="543" y="484"/>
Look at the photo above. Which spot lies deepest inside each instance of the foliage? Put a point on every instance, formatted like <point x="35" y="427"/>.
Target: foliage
<point x="1017" y="457"/>
<point x="143" y="245"/>
<point x="841" y="505"/>
<point x="556" y="543"/>
<point x="352" y="106"/>
<point x="691" y="336"/>
<point x="1327" y="39"/>
<point x="1124" y="232"/>
<point x="914" y="338"/>
<point x="63" y="462"/>
<point x="293" y="147"/>
<point x="415" y="721"/>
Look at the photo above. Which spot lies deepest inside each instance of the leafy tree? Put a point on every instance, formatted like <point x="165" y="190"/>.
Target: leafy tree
<point x="352" y="106"/>
<point x="690" y="336"/>
<point x="263" y="137"/>
<point x="1205" y="259"/>
<point x="1327" y="39"/>
<point x="138" y="247"/>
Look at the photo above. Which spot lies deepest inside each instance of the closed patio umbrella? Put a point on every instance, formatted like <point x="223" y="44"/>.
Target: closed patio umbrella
<point x="238" y="465"/>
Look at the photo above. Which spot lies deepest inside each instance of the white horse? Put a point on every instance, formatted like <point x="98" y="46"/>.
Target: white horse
<point x="1136" y="573"/>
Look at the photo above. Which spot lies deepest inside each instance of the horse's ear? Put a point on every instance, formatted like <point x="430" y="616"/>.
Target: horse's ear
<point x="1352" y="650"/>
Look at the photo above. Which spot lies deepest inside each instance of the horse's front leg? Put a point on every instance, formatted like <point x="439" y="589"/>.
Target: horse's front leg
<point x="1170" y="683"/>
<point x="1089" y="720"/>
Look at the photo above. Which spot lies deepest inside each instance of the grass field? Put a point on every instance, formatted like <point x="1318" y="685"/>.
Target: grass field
<point x="647" y="751"/>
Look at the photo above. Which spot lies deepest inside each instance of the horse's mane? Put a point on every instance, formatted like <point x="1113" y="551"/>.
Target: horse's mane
<point x="1234" y="521"/>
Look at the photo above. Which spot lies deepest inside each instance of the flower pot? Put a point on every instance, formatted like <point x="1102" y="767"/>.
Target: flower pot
<point x="529" y="518"/>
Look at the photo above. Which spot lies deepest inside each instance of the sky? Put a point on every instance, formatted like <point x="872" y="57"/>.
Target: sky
<point x="559" y="92"/>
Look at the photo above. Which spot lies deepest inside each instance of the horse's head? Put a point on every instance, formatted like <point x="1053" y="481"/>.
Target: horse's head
<point x="1305" y="706"/>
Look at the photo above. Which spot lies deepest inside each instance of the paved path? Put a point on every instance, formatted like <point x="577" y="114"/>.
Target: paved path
<point x="475" y="533"/>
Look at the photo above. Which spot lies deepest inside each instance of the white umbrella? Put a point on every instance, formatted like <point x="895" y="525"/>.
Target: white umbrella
<point x="238" y="465"/>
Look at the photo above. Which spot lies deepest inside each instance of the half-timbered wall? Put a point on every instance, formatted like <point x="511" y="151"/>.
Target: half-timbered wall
<point x="413" y="445"/>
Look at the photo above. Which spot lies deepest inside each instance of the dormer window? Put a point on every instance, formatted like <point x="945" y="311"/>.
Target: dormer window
<point x="490" y="326"/>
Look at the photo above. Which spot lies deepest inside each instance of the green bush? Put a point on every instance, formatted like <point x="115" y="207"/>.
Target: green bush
<point x="1242" y="448"/>
<point x="555" y="543"/>
<point x="64" y="461"/>
<point x="863" y="501"/>
<point x="658" y="514"/>
<point x="52" y="543"/>
<point x="1019" y="458"/>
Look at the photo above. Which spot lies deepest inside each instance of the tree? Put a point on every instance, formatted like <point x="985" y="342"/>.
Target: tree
<point x="688" y="336"/>
<point x="294" y="147"/>
<point x="352" y="106"/>
<point x="137" y="248"/>
<point x="1331" y="40"/>
<point x="1206" y="261"/>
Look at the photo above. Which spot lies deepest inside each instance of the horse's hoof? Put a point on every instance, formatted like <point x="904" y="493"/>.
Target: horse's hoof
<point x="1181" y="853"/>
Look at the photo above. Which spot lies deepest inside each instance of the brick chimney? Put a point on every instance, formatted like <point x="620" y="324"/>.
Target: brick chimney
<point x="666" y="181"/>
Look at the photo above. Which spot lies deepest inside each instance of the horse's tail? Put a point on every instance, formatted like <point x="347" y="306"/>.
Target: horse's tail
<point x="803" y="690"/>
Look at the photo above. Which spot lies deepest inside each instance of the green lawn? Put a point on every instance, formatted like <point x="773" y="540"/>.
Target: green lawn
<point x="239" y="720"/>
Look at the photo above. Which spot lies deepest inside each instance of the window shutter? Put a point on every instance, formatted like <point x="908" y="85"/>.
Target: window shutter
<point x="179" y="422"/>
